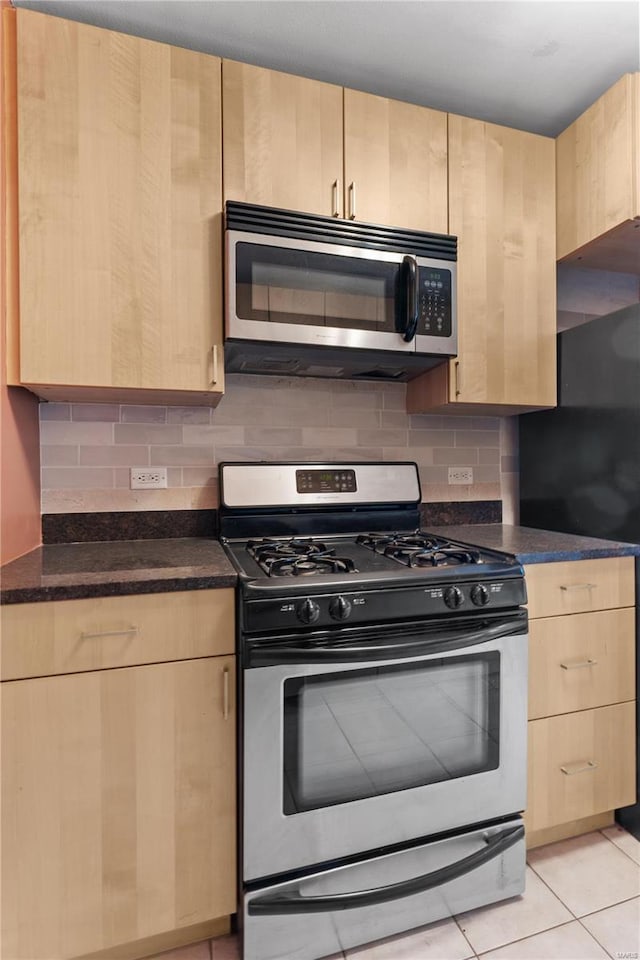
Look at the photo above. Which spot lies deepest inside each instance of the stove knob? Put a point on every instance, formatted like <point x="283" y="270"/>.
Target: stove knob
<point x="308" y="611"/>
<point x="479" y="595"/>
<point x="340" y="608"/>
<point x="453" y="597"/>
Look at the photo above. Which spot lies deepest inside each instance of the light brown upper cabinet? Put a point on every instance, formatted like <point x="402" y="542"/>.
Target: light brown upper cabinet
<point x="502" y="209"/>
<point x="303" y="145"/>
<point x="120" y="216"/>
<point x="598" y="182"/>
<point x="282" y="140"/>
<point x="395" y="163"/>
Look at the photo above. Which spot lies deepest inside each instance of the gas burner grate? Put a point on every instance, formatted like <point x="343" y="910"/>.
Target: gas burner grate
<point x="419" y="550"/>
<point x="297" y="557"/>
<point x="438" y="557"/>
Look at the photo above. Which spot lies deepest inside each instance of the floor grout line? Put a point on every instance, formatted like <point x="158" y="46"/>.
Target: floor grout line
<point x="551" y="890"/>
<point x="556" y="926"/>
<point x="618" y="847"/>
<point x="471" y="946"/>
<point x="557" y="895"/>
<point x="593" y="936"/>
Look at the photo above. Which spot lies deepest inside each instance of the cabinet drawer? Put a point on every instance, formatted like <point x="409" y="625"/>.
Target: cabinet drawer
<point x="582" y="661"/>
<point x="581" y="764"/>
<point x="68" y="636"/>
<point x="579" y="586"/>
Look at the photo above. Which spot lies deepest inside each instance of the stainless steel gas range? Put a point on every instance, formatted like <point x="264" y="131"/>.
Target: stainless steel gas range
<point x="383" y="722"/>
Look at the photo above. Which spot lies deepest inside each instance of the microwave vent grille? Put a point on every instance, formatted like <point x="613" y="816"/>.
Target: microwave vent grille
<point x="249" y="218"/>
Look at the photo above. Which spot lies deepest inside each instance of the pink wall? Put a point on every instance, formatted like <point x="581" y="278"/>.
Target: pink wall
<point x="19" y="434"/>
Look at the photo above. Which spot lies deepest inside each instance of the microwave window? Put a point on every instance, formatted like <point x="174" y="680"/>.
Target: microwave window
<point x="282" y="285"/>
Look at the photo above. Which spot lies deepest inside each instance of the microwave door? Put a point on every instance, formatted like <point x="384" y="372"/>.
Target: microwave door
<point x="305" y="292"/>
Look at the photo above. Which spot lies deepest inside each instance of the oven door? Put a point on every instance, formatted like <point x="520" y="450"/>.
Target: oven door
<point x="384" y="736"/>
<point x="284" y="290"/>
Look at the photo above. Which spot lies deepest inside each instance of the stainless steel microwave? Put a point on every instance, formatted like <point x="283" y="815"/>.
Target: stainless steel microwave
<point x="308" y="295"/>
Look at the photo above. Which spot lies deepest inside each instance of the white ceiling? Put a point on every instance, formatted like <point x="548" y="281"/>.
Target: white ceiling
<point x="533" y="65"/>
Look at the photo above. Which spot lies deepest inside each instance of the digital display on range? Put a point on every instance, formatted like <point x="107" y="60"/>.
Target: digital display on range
<point x="326" y="481"/>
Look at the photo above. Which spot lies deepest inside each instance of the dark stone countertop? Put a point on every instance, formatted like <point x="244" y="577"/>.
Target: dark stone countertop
<point x="72" y="571"/>
<point x="537" y="546"/>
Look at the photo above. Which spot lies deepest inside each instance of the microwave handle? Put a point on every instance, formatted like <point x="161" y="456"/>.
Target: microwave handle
<point x="411" y="322"/>
<point x="295" y="902"/>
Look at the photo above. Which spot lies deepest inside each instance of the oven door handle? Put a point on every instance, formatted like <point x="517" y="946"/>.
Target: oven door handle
<point x="359" y="652"/>
<point x="287" y="903"/>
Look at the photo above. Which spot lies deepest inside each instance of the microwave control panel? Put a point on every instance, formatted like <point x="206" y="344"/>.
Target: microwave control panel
<point x="434" y="302"/>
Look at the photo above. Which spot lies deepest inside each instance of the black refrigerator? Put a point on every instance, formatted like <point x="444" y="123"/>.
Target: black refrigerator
<point x="580" y="463"/>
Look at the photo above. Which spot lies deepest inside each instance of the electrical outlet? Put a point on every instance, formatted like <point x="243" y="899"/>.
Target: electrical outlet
<point x="460" y="474"/>
<point x="148" y="478"/>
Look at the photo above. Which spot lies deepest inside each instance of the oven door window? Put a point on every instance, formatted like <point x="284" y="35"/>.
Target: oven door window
<point x="363" y="733"/>
<point x="286" y="285"/>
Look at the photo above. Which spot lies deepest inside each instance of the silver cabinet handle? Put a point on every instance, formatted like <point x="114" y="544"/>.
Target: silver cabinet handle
<point x="581" y="766"/>
<point x="225" y="693"/>
<point x="335" y="194"/>
<point x="213" y="365"/>
<point x="127" y="632"/>
<point x="457" y="378"/>
<point x="352" y="201"/>
<point x="577" y="664"/>
<point x="578" y="586"/>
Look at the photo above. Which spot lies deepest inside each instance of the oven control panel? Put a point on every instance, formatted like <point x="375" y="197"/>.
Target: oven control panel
<point x="381" y="605"/>
<point x="326" y="481"/>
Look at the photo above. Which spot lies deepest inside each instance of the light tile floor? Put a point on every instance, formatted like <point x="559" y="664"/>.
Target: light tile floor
<point x="582" y="902"/>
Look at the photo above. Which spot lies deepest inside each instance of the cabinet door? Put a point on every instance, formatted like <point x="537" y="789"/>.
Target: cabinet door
<point x="580" y="586"/>
<point x="395" y="162"/>
<point x="581" y="661"/>
<point x="118" y="806"/>
<point x="282" y="140"/>
<point x="581" y="764"/>
<point x="501" y="208"/>
<point x="598" y="163"/>
<point x="100" y="633"/>
<point x="120" y="213"/>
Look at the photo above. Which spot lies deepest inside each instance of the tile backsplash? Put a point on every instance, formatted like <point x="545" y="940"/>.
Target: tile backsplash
<point x="87" y="449"/>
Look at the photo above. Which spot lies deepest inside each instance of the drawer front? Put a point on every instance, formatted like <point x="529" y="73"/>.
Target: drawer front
<point x="581" y="764"/>
<point x="580" y="586"/>
<point x="69" y="636"/>
<point x="582" y="661"/>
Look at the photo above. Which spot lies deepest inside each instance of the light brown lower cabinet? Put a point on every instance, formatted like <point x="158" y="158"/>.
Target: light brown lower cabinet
<point x="580" y="764"/>
<point x="583" y="661"/>
<point x="582" y="708"/>
<point x="118" y="806"/>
